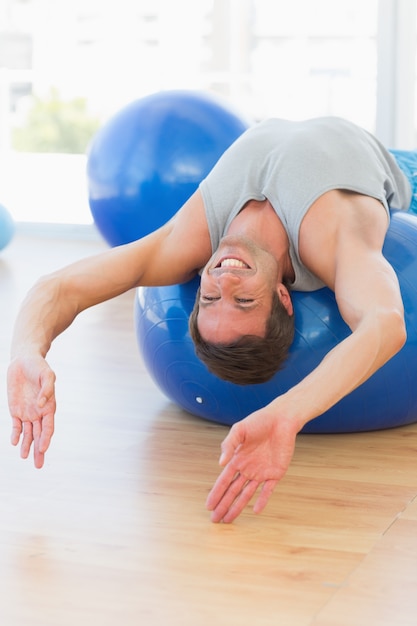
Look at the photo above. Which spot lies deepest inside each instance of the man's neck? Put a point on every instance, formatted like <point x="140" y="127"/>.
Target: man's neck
<point x="259" y="222"/>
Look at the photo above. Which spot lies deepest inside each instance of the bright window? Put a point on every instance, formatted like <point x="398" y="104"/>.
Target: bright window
<point x="66" y="67"/>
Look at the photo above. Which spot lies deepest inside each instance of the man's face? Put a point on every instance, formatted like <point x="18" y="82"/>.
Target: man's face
<point x="236" y="291"/>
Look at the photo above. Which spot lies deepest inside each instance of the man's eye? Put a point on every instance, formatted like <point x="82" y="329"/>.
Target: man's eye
<point x="209" y="298"/>
<point x="244" y="300"/>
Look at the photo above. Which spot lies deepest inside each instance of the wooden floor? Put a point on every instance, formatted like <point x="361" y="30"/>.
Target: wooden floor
<point x="113" y="531"/>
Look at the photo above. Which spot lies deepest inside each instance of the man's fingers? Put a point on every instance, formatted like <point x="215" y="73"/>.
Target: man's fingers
<point x="27" y="440"/>
<point x="46" y="434"/>
<point x="238" y="496"/>
<point x="227" y="498"/>
<point x="16" y="431"/>
<point x="240" y="502"/>
<point x="38" y="433"/>
<point x="266" y="492"/>
<point x="220" y="487"/>
<point x="228" y="501"/>
<point x="38" y="455"/>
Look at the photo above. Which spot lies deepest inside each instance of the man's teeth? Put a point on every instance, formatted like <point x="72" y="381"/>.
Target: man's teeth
<point x="233" y="263"/>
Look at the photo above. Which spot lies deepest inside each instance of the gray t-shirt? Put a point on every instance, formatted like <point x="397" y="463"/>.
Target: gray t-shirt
<point x="292" y="164"/>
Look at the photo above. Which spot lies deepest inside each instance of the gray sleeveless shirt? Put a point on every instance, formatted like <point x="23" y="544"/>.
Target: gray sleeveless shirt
<point x="292" y="164"/>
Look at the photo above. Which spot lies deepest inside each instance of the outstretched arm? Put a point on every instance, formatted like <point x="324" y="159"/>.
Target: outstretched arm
<point x="258" y="450"/>
<point x="49" y="308"/>
<point x="55" y="301"/>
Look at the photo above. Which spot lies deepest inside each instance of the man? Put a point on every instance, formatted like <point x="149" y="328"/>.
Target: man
<point x="291" y="205"/>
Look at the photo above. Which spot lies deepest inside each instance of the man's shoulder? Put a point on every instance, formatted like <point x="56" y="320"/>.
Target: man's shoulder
<point x="189" y="231"/>
<point x="340" y="225"/>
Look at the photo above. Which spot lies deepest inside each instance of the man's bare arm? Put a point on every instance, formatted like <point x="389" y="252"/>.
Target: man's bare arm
<point x="258" y="450"/>
<point x="170" y="255"/>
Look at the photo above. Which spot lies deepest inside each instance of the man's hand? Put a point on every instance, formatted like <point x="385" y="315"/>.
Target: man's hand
<point x="31" y="391"/>
<point x="256" y="453"/>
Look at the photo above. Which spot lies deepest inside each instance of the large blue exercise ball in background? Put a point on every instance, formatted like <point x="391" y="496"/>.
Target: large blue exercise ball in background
<point x="146" y="161"/>
<point x="387" y="399"/>
<point x="7" y="227"/>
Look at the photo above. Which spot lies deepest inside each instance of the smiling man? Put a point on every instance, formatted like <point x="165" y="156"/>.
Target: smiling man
<point x="290" y="205"/>
<point x="242" y="322"/>
<point x="237" y="286"/>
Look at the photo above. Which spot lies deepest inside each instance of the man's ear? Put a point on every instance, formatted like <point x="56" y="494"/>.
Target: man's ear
<point x="284" y="296"/>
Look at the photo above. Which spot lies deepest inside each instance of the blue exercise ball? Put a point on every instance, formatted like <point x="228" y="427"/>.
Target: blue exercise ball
<point x="387" y="399"/>
<point x="7" y="227"/>
<point x="151" y="156"/>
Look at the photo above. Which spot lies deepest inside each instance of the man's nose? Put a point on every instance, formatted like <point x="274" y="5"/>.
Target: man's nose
<point x="227" y="282"/>
<point x="228" y="278"/>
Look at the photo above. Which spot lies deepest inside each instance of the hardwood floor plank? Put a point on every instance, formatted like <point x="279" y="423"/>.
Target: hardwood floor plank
<point x="114" y="530"/>
<point x="382" y="590"/>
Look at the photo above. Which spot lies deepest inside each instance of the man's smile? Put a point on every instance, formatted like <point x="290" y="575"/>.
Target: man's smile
<point x="232" y="262"/>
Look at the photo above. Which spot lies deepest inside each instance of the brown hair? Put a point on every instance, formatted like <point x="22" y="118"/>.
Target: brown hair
<point x="251" y="359"/>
